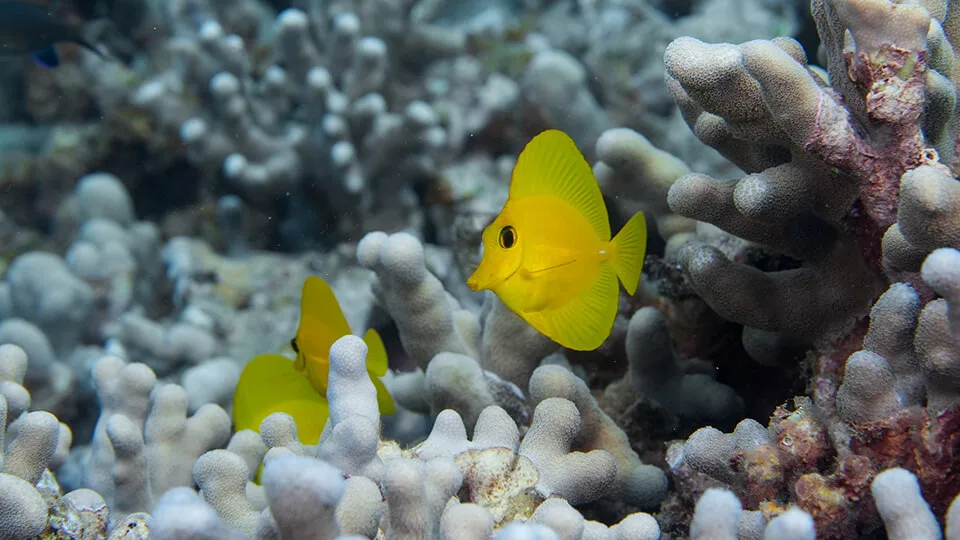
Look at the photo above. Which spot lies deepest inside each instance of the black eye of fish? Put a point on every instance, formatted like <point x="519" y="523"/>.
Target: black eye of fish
<point x="508" y="237"/>
<point x="293" y="345"/>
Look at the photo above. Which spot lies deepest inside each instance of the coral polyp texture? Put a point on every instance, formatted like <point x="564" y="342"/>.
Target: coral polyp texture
<point x="789" y="367"/>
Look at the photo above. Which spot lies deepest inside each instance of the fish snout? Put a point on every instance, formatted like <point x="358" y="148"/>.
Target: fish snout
<point x="479" y="280"/>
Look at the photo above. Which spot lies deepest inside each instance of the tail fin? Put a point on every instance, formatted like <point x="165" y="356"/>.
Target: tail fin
<point x="630" y="247"/>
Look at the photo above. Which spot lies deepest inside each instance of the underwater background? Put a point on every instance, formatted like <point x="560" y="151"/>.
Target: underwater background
<point x="173" y="171"/>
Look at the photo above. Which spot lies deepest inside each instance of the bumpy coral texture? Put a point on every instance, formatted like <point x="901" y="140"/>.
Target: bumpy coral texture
<point x="851" y="188"/>
<point x="371" y="141"/>
<point x="828" y="156"/>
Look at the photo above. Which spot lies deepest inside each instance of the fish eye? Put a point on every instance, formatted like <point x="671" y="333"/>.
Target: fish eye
<point x="508" y="237"/>
<point x="293" y="345"/>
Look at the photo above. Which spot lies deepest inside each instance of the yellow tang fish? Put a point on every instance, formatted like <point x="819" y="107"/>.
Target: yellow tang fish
<point x="274" y="383"/>
<point x="548" y="255"/>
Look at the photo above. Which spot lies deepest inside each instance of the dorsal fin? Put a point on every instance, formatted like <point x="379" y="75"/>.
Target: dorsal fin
<point x="551" y="164"/>
<point x="321" y="319"/>
<point x="377" y="362"/>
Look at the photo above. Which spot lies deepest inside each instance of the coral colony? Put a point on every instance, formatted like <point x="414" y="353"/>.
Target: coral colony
<point x="789" y="367"/>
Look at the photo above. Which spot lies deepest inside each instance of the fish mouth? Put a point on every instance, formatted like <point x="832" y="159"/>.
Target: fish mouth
<point x="473" y="282"/>
<point x="479" y="282"/>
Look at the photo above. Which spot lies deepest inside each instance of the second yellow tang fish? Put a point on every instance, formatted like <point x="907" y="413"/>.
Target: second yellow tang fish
<point x="274" y="383"/>
<point x="548" y="255"/>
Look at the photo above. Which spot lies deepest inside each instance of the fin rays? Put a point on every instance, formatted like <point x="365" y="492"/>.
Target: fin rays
<point x="321" y="319"/>
<point x="552" y="165"/>
<point x="630" y="246"/>
<point x="584" y="323"/>
<point x="561" y="197"/>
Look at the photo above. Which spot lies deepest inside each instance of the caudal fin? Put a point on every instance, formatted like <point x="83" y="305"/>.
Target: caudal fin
<point x="630" y="245"/>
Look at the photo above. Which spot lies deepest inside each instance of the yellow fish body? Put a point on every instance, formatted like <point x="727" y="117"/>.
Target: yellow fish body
<point x="269" y="384"/>
<point x="548" y="255"/>
<point x="274" y="383"/>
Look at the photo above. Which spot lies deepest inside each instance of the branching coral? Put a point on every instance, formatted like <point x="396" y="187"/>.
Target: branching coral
<point x="637" y="483"/>
<point x="431" y="321"/>
<point x="826" y="152"/>
<point x="656" y="374"/>
<point x="904" y="513"/>
<point x="31" y="444"/>
<point x="294" y="114"/>
<point x="496" y="477"/>
<point x="896" y="406"/>
<point x="144" y="443"/>
<point x="333" y="119"/>
<point x="850" y="188"/>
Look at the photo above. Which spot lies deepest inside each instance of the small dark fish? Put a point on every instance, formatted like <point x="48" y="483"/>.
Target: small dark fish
<point x="32" y="28"/>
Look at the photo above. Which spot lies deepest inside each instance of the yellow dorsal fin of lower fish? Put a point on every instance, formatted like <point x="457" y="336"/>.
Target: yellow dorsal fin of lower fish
<point x="376" y="353"/>
<point x="321" y="319"/>
<point x="630" y="247"/>
<point x="551" y="165"/>
<point x="583" y="323"/>
<point x="377" y="367"/>
<point x="384" y="399"/>
<point x="270" y="384"/>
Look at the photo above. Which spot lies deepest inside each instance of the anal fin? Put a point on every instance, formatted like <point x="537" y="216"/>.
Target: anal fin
<point x="583" y="323"/>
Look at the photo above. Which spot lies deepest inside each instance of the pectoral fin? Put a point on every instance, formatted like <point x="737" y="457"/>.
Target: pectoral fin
<point x="545" y="258"/>
<point x="583" y="323"/>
